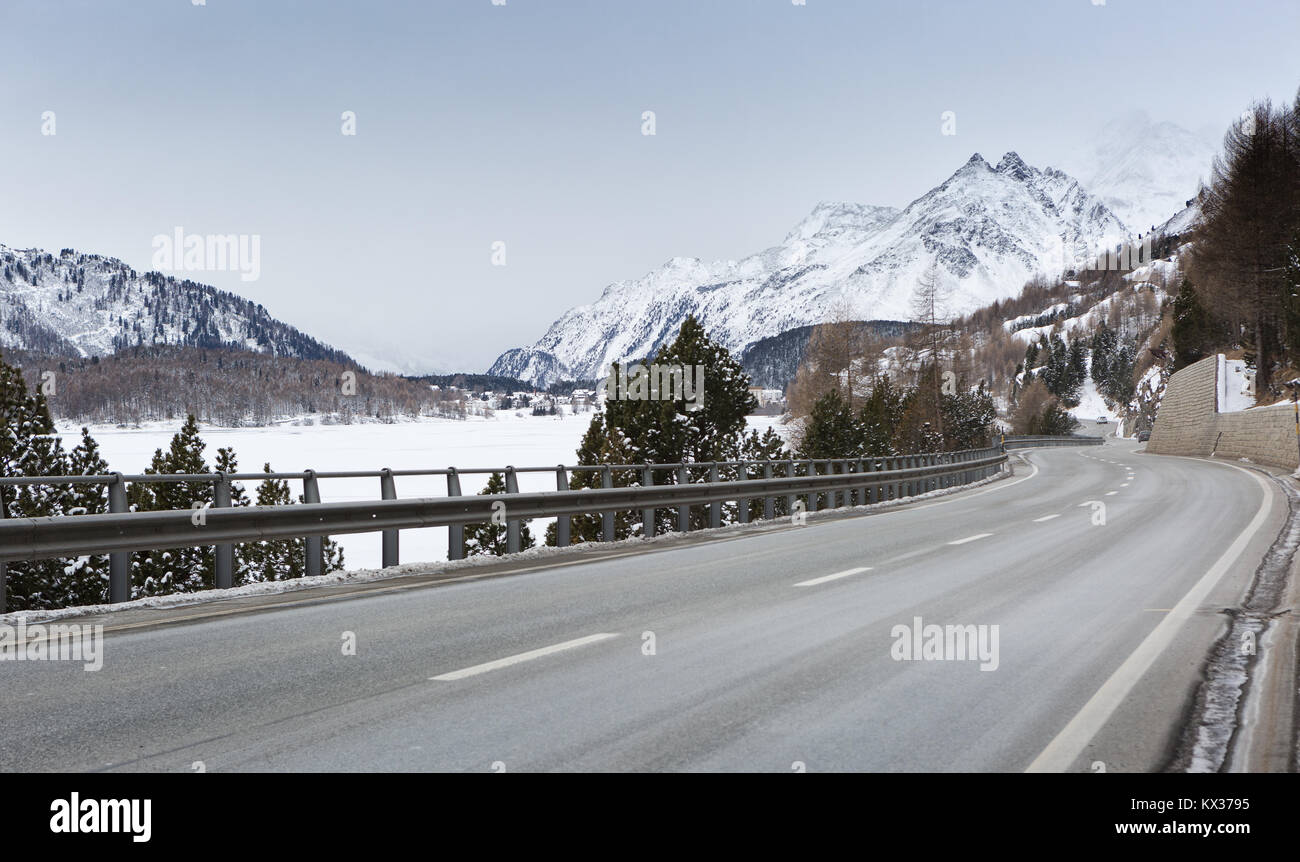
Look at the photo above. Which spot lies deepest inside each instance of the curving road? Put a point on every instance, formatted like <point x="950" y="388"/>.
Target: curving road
<point x="771" y="650"/>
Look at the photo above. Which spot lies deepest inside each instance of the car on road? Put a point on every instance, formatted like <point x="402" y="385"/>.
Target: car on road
<point x="1102" y="420"/>
<point x="1144" y="436"/>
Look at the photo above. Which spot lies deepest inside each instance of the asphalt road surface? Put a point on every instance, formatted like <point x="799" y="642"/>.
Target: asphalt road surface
<point x="775" y="651"/>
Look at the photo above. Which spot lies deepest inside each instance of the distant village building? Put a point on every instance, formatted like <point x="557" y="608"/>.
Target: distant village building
<point x="771" y="402"/>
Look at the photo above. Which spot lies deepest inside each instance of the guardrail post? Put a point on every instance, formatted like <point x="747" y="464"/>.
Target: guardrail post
<point x="606" y="518"/>
<point x="563" y="523"/>
<point x="715" y="508"/>
<point x="742" y="503"/>
<point x="315" y="547"/>
<point x="648" y="515"/>
<point x="455" y="532"/>
<point x="514" y="539"/>
<point x="812" y="495"/>
<point x="836" y="498"/>
<point x="4" y="567"/>
<point x="388" y="545"/>
<point x="863" y="491"/>
<point x="790" y="499"/>
<point x="119" y="562"/>
<point x="683" y="511"/>
<point x="769" y="502"/>
<point x="225" y="554"/>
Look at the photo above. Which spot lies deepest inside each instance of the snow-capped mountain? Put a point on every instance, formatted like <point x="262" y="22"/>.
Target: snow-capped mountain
<point x="82" y="305"/>
<point x="987" y="228"/>
<point x="1144" y="171"/>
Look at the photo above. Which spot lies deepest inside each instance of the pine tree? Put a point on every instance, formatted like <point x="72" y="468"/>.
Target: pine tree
<point x="273" y="559"/>
<point x="174" y="570"/>
<point x="830" y="430"/>
<point x="490" y="538"/>
<point x="635" y="431"/>
<point x="1193" y="330"/>
<point x="968" y="417"/>
<point x="277" y="559"/>
<point x="30" y="447"/>
<point x="880" y="418"/>
<point x="768" y="447"/>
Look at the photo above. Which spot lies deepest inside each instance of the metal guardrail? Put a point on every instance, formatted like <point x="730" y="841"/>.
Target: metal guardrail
<point x="839" y="481"/>
<point x="1025" y="441"/>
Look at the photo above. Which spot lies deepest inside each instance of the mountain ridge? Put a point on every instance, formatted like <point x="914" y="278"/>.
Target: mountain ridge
<point x="988" y="228"/>
<point x="81" y="305"/>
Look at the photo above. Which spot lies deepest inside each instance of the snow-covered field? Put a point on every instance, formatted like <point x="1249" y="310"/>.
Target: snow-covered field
<point x="522" y="440"/>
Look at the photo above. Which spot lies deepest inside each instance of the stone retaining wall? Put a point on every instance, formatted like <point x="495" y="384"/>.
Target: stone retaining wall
<point x="1189" y="423"/>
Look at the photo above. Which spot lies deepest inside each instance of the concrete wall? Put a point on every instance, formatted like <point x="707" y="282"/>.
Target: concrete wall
<point x="1189" y="423"/>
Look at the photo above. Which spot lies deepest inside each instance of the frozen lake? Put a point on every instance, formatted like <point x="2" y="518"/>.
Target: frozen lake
<point x="506" y="438"/>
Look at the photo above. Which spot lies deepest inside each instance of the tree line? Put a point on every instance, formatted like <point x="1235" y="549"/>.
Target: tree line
<point x="1243" y="277"/>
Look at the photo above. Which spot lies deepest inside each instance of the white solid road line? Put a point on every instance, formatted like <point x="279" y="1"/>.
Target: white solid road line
<point x="824" y="578"/>
<point x="1046" y="518"/>
<point x="1073" y="740"/>
<point x="971" y="538"/>
<point x="522" y="657"/>
<point x="1111" y="493"/>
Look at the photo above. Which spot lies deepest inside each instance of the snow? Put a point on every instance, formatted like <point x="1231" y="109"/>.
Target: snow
<point x="1142" y="169"/>
<point x="988" y="228"/>
<point x="1236" y="385"/>
<point x="507" y="438"/>
<point x="524" y="441"/>
<point x="1091" y="404"/>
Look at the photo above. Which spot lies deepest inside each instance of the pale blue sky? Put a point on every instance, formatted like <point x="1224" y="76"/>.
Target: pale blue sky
<point x="522" y="123"/>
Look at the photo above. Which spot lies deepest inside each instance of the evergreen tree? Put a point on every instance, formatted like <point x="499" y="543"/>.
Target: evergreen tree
<point x="636" y="431"/>
<point x="968" y="417"/>
<point x="768" y="447"/>
<point x="880" y="418"/>
<point x="30" y="447"/>
<point x="830" y="430"/>
<point x="278" y="559"/>
<point x="1193" y="330"/>
<point x="174" y="570"/>
<point x="490" y="538"/>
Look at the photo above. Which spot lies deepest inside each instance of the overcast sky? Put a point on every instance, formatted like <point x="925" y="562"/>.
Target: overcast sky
<point x="522" y="123"/>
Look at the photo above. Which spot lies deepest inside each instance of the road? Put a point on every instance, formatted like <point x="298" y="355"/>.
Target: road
<point x="771" y="651"/>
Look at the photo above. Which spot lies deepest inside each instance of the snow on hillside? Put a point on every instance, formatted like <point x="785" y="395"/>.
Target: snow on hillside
<point x="85" y="305"/>
<point x="1085" y="323"/>
<point x="1143" y="170"/>
<point x="988" y="229"/>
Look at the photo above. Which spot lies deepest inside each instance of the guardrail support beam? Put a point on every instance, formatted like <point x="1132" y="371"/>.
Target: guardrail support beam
<point x="563" y="523"/>
<point x="119" y="562"/>
<point x="769" y="503"/>
<point x="389" y="547"/>
<point x="456" y="532"/>
<point x="225" y="554"/>
<point x="607" y="518"/>
<point x="683" y="512"/>
<point x="315" y="548"/>
<point x="648" y="515"/>
<point x="715" y="509"/>
<point x="514" y="533"/>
